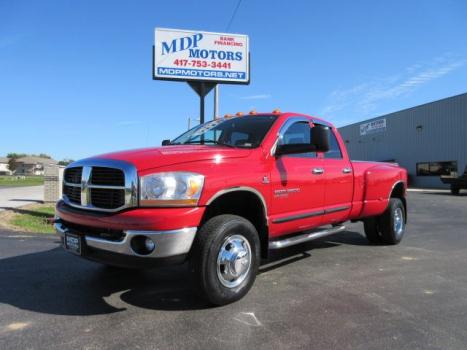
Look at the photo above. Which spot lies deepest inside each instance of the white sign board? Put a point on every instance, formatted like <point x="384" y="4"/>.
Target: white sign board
<point x="372" y="127"/>
<point x="193" y="55"/>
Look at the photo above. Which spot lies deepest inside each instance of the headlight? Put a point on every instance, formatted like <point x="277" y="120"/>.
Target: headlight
<point x="171" y="189"/>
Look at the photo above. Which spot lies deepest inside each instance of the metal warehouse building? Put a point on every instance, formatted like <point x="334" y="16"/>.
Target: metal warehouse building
<point x="428" y="140"/>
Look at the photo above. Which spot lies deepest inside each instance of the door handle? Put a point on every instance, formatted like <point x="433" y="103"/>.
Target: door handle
<point x="317" y="171"/>
<point x="347" y="170"/>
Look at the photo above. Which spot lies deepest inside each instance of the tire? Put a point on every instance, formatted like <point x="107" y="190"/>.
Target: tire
<point x="455" y="190"/>
<point x="392" y="222"/>
<point x="372" y="230"/>
<point x="216" y="274"/>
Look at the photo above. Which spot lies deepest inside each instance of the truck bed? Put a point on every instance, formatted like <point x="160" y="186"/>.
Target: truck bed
<point x="457" y="181"/>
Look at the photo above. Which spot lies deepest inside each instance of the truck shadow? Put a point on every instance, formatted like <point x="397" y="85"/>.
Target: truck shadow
<point x="55" y="282"/>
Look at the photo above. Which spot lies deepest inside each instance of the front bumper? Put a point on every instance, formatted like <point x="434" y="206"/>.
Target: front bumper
<point x="171" y="246"/>
<point x="108" y="237"/>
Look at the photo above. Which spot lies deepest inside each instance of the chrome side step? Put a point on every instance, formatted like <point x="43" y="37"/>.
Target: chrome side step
<point x="287" y="242"/>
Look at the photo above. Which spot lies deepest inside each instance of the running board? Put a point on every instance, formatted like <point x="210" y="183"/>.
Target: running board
<point x="287" y="242"/>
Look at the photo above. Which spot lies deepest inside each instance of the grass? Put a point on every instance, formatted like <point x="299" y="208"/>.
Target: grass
<point x="33" y="219"/>
<point x="17" y="181"/>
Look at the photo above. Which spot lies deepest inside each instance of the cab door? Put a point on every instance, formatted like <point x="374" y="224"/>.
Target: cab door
<point x="339" y="178"/>
<point x="297" y="184"/>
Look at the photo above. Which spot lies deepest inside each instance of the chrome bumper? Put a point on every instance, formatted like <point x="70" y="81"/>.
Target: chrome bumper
<point x="167" y="243"/>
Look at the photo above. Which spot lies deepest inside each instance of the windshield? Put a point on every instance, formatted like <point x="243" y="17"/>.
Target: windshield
<point x="246" y="132"/>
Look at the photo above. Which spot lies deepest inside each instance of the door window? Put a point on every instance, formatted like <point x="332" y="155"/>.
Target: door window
<point x="334" y="149"/>
<point x="296" y="134"/>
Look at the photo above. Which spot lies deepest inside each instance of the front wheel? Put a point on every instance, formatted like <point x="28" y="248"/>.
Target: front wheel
<point x="225" y="258"/>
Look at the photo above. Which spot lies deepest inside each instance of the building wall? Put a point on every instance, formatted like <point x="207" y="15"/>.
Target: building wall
<point x="29" y="169"/>
<point x="4" y="169"/>
<point x="432" y="132"/>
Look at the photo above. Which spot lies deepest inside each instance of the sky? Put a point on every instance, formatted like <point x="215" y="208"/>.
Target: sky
<point x="76" y="76"/>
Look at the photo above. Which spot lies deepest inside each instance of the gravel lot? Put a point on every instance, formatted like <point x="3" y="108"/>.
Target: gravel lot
<point x="338" y="292"/>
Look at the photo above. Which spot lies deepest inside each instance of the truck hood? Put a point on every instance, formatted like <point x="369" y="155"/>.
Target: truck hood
<point x="148" y="158"/>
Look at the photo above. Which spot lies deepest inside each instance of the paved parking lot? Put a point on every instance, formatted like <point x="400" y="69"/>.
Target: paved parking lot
<point x="338" y="292"/>
<point x="14" y="197"/>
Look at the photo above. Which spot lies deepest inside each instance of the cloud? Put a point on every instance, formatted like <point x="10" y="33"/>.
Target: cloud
<point x="340" y="99"/>
<point x="256" y="97"/>
<point x="364" y="98"/>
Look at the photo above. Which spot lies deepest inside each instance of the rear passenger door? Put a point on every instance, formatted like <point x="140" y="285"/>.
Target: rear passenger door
<point x="339" y="183"/>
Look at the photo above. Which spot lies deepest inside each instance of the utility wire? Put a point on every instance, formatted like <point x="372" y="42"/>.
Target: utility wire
<point x="233" y="15"/>
<point x="216" y="90"/>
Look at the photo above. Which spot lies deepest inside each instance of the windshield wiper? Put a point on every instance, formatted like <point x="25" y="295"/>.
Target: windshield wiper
<point x="207" y="141"/>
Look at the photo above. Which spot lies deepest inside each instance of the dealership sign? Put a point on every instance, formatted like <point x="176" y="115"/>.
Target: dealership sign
<point x="372" y="127"/>
<point x="201" y="56"/>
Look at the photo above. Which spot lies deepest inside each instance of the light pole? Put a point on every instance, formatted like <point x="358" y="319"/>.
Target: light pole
<point x="216" y="102"/>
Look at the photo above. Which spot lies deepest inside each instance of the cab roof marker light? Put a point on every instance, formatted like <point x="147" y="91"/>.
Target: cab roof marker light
<point x="239" y="114"/>
<point x="276" y="111"/>
<point x="252" y="112"/>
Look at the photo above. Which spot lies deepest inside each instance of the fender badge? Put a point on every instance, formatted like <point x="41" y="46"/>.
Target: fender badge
<point x="265" y="180"/>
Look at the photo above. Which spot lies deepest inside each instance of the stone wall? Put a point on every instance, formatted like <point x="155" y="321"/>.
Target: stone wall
<point x="53" y="176"/>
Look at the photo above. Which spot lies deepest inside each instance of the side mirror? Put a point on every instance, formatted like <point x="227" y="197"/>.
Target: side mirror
<point x="165" y="142"/>
<point x="320" y="135"/>
<point x="294" y="148"/>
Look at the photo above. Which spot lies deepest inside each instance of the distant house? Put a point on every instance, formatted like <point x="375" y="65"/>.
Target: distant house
<point x="4" y="170"/>
<point x="32" y="165"/>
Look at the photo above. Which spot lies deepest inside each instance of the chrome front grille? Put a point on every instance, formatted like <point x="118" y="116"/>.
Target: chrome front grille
<point x="73" y="193"/>
<point x="107" y="176"/>
<point x="73" y="175"/>
<point x="100" y="184"/>
<point x="107" y="198"/>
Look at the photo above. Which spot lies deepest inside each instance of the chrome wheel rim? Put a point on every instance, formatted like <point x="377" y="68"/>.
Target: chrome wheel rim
<point x="234" y="261"/>
<point x="398" y="222"/>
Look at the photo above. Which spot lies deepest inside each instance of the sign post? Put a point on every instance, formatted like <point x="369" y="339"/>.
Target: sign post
<point x="202" y="89"/>
<point x="202" y="59"/>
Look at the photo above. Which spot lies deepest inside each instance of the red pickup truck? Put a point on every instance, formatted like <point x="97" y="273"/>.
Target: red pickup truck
<point x="223" y="195"/>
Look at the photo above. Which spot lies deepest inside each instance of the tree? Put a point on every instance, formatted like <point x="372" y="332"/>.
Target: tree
<point x="12" y="164"/>
<point x="12" y="157"/>
<point x="65" y="162"/>
<point x="19" y="155"/>
<point x="16" y="155"/>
